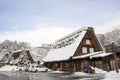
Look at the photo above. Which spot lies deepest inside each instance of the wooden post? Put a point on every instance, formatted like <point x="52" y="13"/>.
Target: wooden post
<point x="115" y="57"/>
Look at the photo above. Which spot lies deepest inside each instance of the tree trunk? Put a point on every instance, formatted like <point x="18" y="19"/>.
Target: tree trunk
<point x="115" y="57"/>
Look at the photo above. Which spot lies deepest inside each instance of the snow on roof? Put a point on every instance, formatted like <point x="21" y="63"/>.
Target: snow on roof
<point x="87" y="55"/>
<point x="100" y="55"/>
<point x="73" y="33"/>
<point x="27" y="49"/>
<point x="65" y="48"/>
<point x="2" y="55"/>
<point x="93" y="55"/>
<point x="14" y="61"/>
<point x="17" y="51"/>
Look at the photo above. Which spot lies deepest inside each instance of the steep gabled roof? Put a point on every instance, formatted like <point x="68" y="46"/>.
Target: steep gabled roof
<point x="3" y="55"/>
<point x="17" y="56"/>
<point x="65" y="48"/>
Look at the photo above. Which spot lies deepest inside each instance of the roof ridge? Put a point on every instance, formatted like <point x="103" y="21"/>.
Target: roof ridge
<point x="73" y="33"/>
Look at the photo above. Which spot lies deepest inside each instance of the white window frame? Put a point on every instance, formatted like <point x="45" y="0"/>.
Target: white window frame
<point x="91" y="50"/>
<point x="87" y="41"/>
<point x="84" y="50"/>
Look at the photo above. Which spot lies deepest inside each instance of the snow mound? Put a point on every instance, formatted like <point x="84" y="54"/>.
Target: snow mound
<point x="112" y="75"/>
<point x="9" y="68"/>
<point x="97" y="70"/>
<point x="57" y="72"/>
<point x="79" y="73"/>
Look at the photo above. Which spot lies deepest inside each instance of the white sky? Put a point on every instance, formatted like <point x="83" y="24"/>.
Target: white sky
<point x="43" y="34"/>
<point x="44" y="21"/>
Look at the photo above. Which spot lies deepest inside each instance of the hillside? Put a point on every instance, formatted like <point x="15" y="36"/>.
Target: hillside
<point x="13" y="45"/>
<point x="109" y="37"/>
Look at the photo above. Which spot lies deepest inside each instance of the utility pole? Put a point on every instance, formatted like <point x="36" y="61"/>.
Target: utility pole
<point x="115" y="57"/>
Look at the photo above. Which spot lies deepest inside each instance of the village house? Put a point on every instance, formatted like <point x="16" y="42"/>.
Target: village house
<point x="75" y="51"/>
<point x="20" y="57"/>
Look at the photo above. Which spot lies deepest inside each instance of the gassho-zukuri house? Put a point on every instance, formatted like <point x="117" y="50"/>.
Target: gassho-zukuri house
<point x="77" y="50"/>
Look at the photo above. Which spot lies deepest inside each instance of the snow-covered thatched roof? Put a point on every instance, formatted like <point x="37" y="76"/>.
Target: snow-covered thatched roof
<point x="17" y="51"/>
<point x="2" y="55"/>
<point x="65" y="47"/>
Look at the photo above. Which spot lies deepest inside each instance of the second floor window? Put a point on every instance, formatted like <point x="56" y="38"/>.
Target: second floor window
<point x="91" y="50"/>
<point x="84" y="49"/>
<point x="87" y="41"/>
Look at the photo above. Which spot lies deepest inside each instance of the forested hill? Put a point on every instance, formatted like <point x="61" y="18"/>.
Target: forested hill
<point x="13" y="45"/>
<point x="108" y="37"/>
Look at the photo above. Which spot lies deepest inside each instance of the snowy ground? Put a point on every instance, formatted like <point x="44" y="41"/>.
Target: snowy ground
<point x="112" y="75"/>
<point x="99" y="74"/>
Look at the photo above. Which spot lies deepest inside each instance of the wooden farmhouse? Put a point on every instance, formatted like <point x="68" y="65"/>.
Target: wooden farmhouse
<point x="20" y="57"/>
<point x="75" y="51"/>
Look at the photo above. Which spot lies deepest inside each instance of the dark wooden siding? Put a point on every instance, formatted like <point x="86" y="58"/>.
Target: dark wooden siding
<point x="94" y="43"/>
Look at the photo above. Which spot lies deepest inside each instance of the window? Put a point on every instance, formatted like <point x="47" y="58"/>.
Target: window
<point x="87" y="41"/>
<point x="84" y="49"/>
<point x="56" y="65"/>
<point x="91" y="50"/>
<point x="66" y="65"/>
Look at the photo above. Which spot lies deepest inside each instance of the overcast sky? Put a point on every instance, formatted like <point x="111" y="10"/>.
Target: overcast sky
<point x="44" y="21"/>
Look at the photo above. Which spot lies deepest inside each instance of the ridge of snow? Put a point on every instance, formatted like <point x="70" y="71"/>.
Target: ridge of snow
<point x="73" y="33"/>
<point x="9" y="68"/>
<point x="57" y="72"/>
<point x="17" y="51"/>
<point x="97" y="70"/>
<point x="87" y="55"/>
<point x="100" y="55"/>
